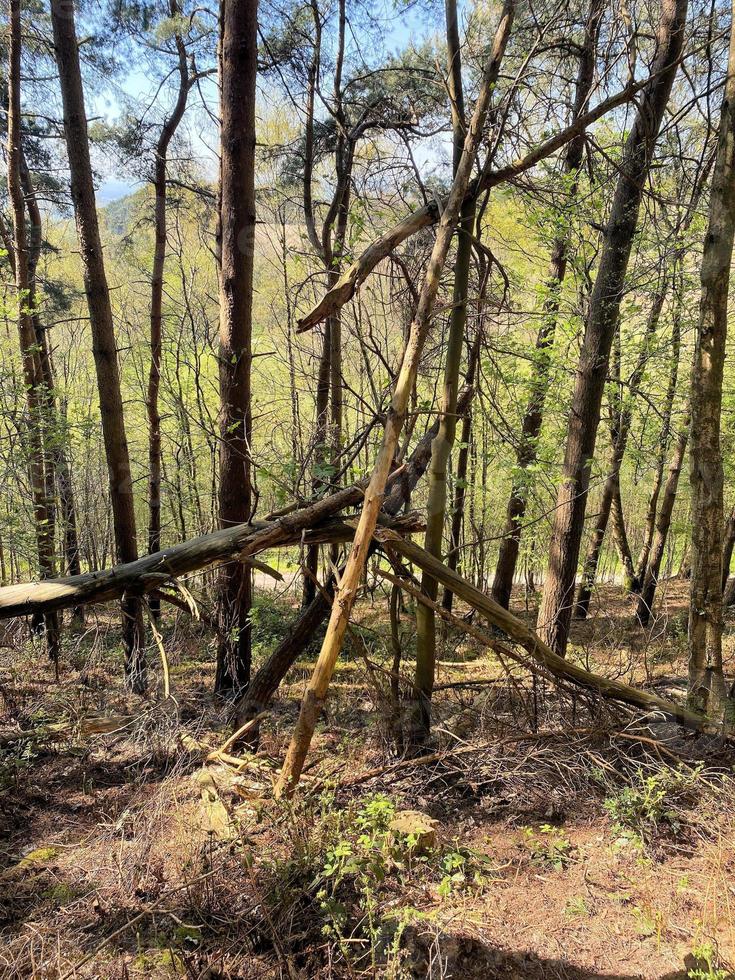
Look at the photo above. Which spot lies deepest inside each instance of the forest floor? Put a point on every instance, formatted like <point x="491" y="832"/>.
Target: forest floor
<point x="552" y="837"/>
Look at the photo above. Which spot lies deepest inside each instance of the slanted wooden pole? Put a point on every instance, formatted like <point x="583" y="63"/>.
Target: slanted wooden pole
<point x="316" y="691"/>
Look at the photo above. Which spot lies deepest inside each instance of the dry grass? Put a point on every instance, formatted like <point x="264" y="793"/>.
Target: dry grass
<point x="113" y="867"/>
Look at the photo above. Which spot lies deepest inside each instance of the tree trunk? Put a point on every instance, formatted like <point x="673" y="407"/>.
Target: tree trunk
<point x="37" y="393"/>
<point x="727" y="547"/>
<point x="663" y="523"/>
<point x="620" y="536"/>
<point x="344" y="599"/>
<point x="623" y="415"/>
<point x="533" y="416"/>
<point x="103" y="331"/>
<point x="444" y="441"/>
<point x="60" y="450"/>
<point x="665" y="437"/>
<point x="239" y="32"/>
<point x="602" y="320"/>
<point x="160" y="166"/>
<point x="706" y="680"/>
<point x="460" y="482"/>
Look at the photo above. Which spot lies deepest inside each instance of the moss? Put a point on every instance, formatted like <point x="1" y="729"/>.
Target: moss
<point x="63" y="893"/>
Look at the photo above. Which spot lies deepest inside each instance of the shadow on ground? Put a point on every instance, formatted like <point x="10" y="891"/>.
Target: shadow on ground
<point x="465" y="958"/>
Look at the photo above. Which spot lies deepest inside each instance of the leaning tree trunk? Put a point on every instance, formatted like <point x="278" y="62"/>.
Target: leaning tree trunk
<point x="344" y="599"/>
<point x="620" y="537"/>
<point x="103" y="331"/>
<point x="160" y="166"/>
<point x="533" y="417"/>
<point x="37" y="395"/>
<point x="239" y="29"/>
<point x="556" y="606"/>
<point x="611" y="489"/>
<point x="444" y="441"/>
<point x="706" y="679"/>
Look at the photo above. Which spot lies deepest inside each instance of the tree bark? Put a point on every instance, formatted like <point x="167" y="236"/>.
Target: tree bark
<point x="103" y="332"/>
<point x="239" y="32"/>
<point x="623" y="411"/>
<point x="661" y="532"/>
<point x="37" y="393"/>
<point x="533" y="416"/>
<point x="344" y="599"/>
<point x="602" y="320"/>
<point x="706" y="679"/>
<point x="665" y="438"/>
<point x="442" y="446"/>
<point x="460" y="482"/>
<point x="160" y="166"/>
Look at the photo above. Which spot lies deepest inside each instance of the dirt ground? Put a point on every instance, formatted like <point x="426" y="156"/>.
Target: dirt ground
<point x="567" y="840"/>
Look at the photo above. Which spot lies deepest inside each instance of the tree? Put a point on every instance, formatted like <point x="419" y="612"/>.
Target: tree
<point x="602" y="320"/>
<point x="238" y="69"/>
<point x="37" y="392"/>
<point x="102" y="326"/>
<point x="706" y="679"/>
<point x="345" y="596"/>
<point x="534" y="413"/>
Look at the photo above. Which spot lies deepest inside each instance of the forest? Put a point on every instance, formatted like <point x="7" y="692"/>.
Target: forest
<point x="368" y="496"/>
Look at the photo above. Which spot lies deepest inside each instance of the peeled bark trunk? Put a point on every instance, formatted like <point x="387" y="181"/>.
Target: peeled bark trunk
<point x="239" y="31"/>
<point x="533" y="417"/>
<point x="344" y="599"/>
<point x="103" y="331"/>
<point x="706" y="679"/>
<point x="557" y="601"/>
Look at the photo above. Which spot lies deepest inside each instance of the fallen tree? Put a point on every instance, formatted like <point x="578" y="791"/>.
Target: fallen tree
<point x="313" y="522"/>
<point x="540" y="653"/>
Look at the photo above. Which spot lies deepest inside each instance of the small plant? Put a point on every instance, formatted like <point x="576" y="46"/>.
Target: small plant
<point x="550" y="846"/>
<point x="576" y="906"/>
<point x="463" y="867"/>
<point x="707" y="964"/>
<point x="652" y="801"/>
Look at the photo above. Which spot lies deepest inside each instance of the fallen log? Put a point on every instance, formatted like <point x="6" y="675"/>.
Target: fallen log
<point x="523" y="636"/>
<point x="314" y="522"/>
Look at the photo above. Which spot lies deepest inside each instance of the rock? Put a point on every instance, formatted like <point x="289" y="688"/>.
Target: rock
<point x="413" y="832"/>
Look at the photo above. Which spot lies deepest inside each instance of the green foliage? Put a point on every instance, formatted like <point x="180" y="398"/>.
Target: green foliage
<point x="344" y="864"/>
<point x="651" y="801"/>
<point x="548" y="846"/>
<point x="707" y="964"/>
